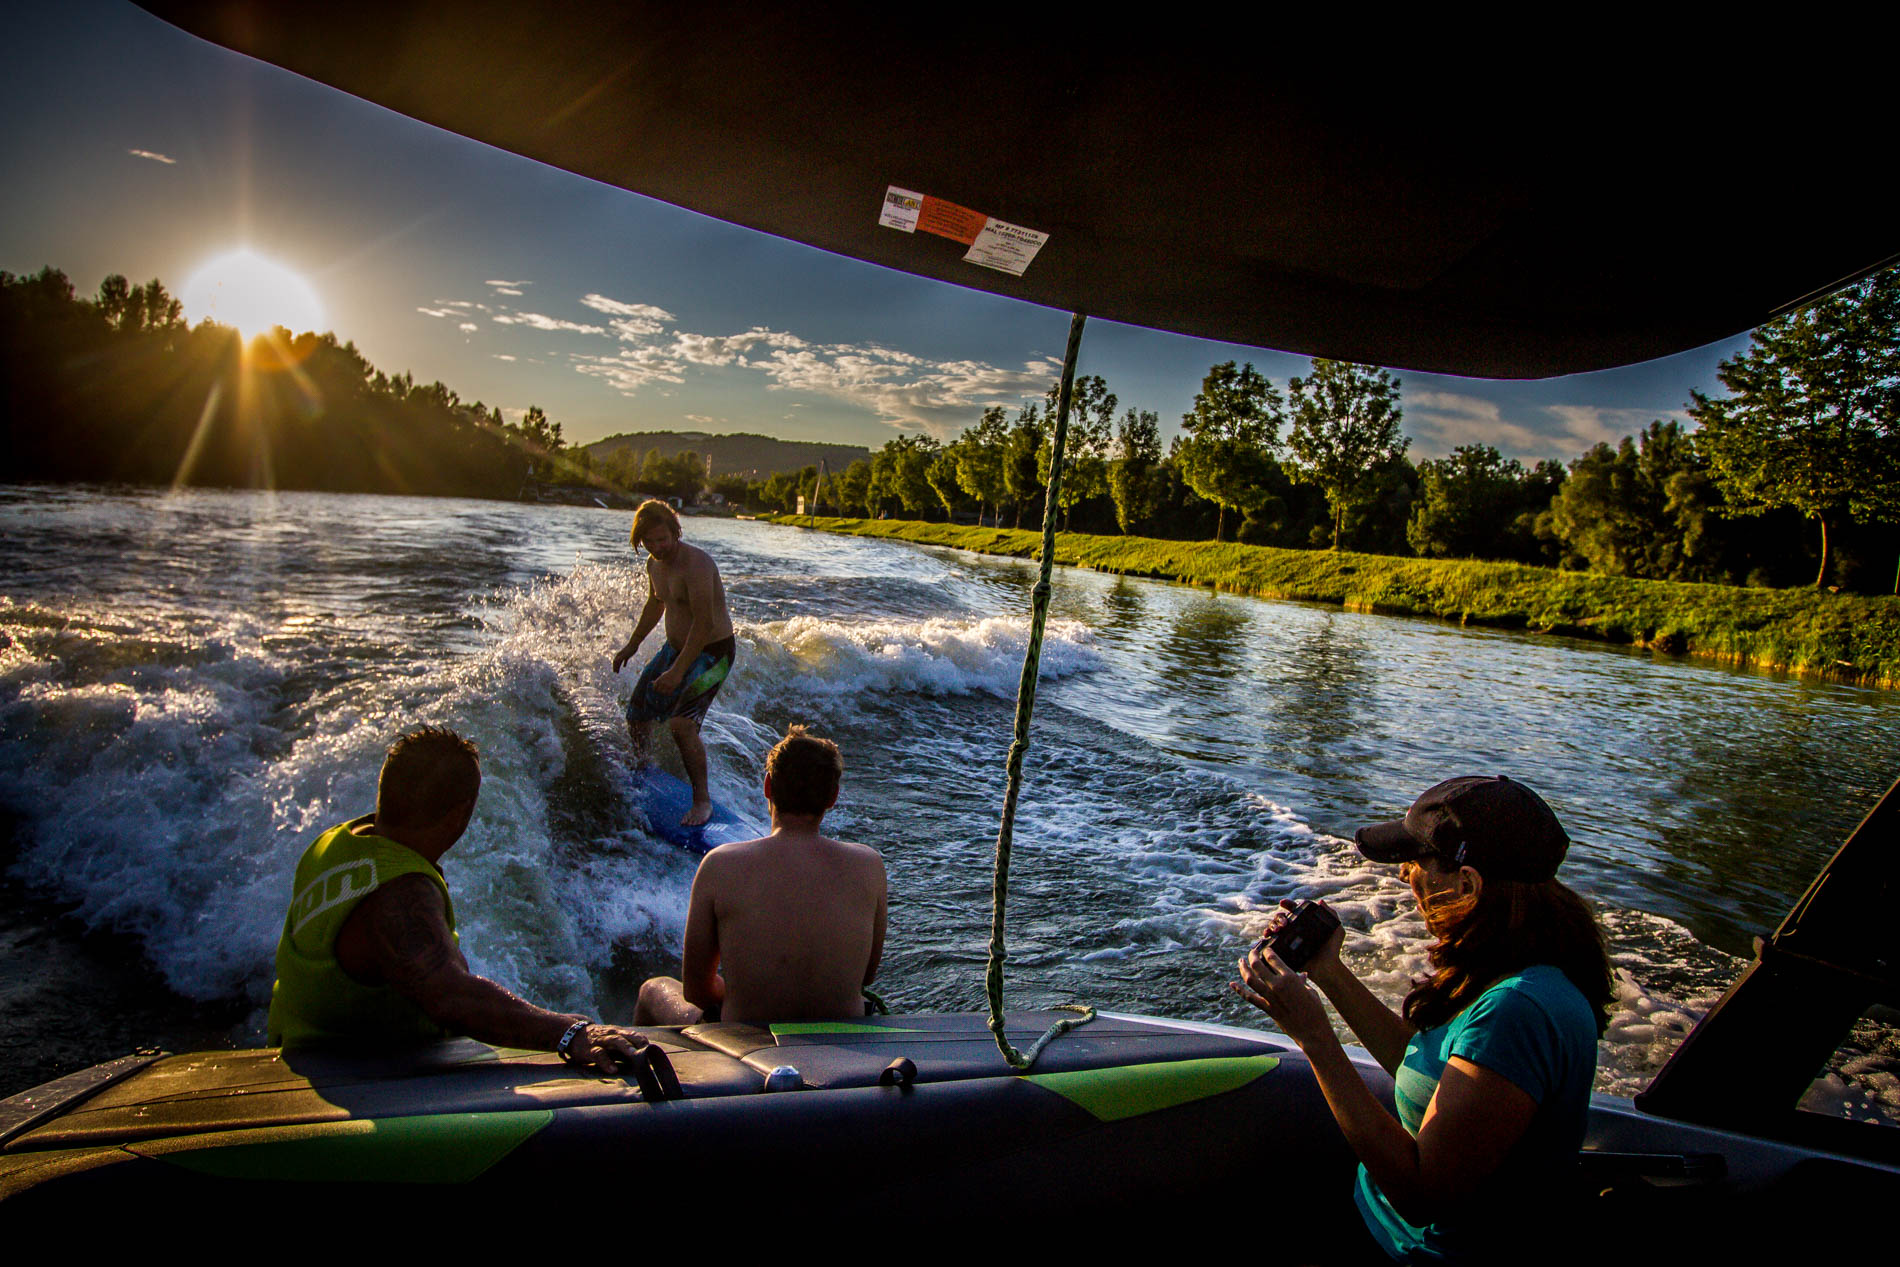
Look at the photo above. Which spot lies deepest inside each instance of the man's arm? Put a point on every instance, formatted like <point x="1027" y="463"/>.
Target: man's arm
<point x="700" y="981"/>
<point x="416" y="955"/>
<point x="877" y="923"/>
<point x="649" y="617"/>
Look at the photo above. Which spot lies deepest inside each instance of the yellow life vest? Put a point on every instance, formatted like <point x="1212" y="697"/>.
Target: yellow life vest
<point x="313" y="1001"/>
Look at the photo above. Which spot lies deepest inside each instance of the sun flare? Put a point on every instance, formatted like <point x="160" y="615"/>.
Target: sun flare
<point x="253" y="293"/>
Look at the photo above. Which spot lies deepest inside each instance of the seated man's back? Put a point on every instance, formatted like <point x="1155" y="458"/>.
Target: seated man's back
<point x="787" y="927"/>
<point x="800" y="925"/>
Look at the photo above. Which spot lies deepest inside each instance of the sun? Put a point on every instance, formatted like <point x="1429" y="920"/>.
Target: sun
<point x="252" y="292"/>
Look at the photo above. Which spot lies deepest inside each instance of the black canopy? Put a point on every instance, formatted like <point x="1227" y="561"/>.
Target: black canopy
<point x="1355" y="191"/>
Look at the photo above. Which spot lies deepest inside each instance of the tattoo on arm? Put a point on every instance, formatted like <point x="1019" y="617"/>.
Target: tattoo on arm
<point x="411" y="936"/>
<point x="417" y="955"/>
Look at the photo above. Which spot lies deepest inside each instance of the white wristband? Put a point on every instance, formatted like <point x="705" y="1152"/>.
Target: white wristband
<point x="564" y="1047"/>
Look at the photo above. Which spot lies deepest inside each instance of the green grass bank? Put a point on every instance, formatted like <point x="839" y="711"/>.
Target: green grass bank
<point x="1843" y="636"/>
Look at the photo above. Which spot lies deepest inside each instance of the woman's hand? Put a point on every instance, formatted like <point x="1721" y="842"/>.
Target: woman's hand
<point x="1325" y="963"/>
<point x="1284" y="995"/>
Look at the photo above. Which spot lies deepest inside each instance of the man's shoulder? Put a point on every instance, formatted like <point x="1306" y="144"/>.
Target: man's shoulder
<point x="408" y="891"/>
<point x="861" y="857"/>
<point x="852" y="846"/>
<point x="698" y="557"/>
<point x="732" y="849"/>
<point x="722" y="859"/>
<point x="744" y="854"/>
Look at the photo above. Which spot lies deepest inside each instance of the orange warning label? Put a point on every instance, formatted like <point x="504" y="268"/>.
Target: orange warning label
<point x="948" y="220"/>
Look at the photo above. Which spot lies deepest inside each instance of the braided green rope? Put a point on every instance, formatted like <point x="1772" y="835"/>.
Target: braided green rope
<point x="1025" y="705"/>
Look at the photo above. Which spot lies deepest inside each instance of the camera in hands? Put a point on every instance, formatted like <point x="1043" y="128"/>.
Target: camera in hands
<point x="1305" y="931"/>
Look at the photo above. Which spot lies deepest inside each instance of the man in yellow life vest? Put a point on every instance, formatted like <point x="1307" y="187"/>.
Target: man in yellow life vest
<point x="369" y="957"/>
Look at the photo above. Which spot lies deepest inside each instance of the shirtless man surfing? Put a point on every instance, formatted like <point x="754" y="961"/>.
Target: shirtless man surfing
<point x="680" y="681"/>
<point x="787" y="927"/>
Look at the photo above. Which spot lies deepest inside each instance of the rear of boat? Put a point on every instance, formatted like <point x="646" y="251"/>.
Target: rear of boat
<point x="908" y="1116"/>
<point x="914" y="1122"/>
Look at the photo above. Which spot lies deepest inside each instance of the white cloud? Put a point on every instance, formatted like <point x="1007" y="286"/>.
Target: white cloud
<point x="502" y="356"/>
<point x="468" y="327"/>
<point x="621" y="308"/>
<point x="909" y="392"/>
<point x="540" y="321"/>
<point x="1441" y="421"/>
<point x="438" y="312"/>
<point x="154" y="155"/>
<point x="706" y="349"/>
<point x="631" y="369"/>
<point x="634" y="329"/>
<point x="1590" y="425"/>
<point x="905" y="390"/>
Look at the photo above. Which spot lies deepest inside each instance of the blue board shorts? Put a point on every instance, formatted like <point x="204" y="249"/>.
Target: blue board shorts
<point x="696" y="693"/>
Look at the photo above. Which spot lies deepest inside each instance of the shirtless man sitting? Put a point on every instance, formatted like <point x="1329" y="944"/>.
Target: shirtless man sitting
<point x="679" y="683"/>
<point x="787" y="927"/>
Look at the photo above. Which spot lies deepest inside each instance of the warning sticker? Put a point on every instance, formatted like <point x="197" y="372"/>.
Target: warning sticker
<point x="993" y="243"/>
<point x="947" y="220"/>
<point x="1008" y="247"/>
<point x="901" y="207"/>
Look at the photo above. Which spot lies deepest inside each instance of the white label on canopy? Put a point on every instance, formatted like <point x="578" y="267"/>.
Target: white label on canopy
<point x="1007" y="247"/>
<point x="901" y="209"/>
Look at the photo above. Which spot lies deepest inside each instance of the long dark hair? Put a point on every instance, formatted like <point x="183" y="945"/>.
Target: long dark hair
<point x="1509" y="926"/>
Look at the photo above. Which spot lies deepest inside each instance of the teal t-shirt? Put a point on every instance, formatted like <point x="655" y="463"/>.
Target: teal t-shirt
<point x="1536" y="1030"/>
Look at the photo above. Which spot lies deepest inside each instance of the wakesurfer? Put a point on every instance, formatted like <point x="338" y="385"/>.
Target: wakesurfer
<point x="680" y="681"/>
<point x="369" y="957"/>
<point x="786" y="927"/>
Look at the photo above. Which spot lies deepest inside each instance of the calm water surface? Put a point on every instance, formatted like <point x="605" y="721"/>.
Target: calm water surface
<point x="193" y="685"/>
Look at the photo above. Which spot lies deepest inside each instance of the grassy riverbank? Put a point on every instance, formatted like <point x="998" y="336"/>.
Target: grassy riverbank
<point x="1843" y="636"/>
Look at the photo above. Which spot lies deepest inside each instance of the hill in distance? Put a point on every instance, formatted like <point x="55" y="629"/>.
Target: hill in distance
<point x="751" y="456"/>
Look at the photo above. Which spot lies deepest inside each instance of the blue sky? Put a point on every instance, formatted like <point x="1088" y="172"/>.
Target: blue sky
<point x="134" y="148"/>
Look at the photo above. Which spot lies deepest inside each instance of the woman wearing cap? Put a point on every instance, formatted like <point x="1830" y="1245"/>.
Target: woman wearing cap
<point x="1493" y="1052"/>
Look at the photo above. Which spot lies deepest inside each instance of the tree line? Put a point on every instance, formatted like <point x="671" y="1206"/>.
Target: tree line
<point x="117" y="387"/>
<point x="1792" y="476"/>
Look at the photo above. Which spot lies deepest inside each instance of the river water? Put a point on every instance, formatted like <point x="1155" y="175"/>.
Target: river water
<point x="192" y="685"/>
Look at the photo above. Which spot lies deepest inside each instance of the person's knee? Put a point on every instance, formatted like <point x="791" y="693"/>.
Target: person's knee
<point x="683" y="727"/>
<point x="662" y="1003"/>
<point x="656" y="1000"/>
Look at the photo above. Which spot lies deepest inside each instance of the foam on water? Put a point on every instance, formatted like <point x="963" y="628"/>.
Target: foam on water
<point x="821" y="657"/>
<point x="170" y="766"/>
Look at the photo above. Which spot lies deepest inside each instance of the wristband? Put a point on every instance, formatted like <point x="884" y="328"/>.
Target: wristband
<point x="564" y="1048"/>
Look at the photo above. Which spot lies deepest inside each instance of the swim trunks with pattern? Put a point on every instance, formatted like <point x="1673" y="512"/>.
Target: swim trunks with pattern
<point x="695" y="694"/>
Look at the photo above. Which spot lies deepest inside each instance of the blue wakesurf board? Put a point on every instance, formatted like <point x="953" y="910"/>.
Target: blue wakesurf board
<point x="665" y="798"/>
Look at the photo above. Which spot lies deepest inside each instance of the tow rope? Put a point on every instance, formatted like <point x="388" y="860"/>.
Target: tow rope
<point x="1019" y="746"/>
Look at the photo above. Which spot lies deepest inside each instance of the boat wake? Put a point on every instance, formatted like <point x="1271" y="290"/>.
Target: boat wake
<point x="165" y="768"/>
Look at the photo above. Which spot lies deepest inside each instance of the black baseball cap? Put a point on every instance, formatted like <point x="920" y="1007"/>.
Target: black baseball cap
<point x="1496" y="826"/>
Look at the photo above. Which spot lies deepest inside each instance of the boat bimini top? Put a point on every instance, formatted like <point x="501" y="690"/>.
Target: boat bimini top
<point x="1432" y="199"/>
